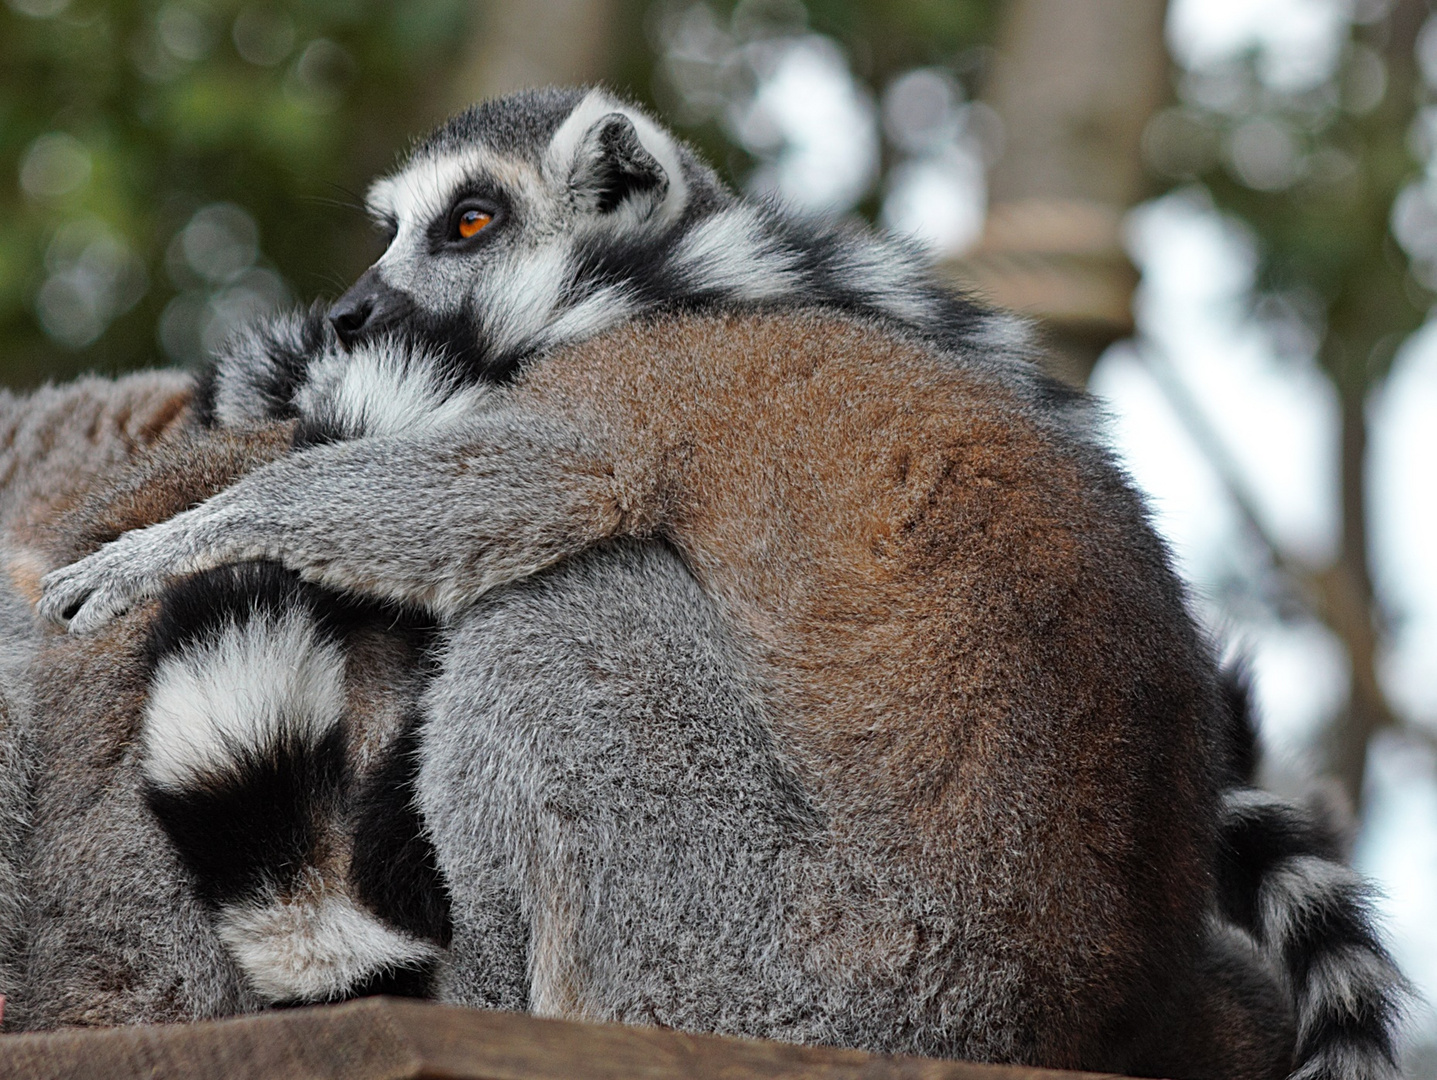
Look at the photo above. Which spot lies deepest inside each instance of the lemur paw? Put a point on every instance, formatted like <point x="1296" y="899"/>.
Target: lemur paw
<point x="87" y="594"/>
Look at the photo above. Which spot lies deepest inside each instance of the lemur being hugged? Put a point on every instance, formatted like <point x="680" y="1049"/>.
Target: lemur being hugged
<point x="104" y="923"/>
<point x="804" y="667"/>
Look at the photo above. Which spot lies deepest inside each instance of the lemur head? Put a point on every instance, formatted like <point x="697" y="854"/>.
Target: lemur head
<point x="490" y="219"/>
<point x="547" y="217"/>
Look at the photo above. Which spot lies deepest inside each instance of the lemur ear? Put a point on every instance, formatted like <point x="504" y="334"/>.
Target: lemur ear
<point x="613" y="168"/>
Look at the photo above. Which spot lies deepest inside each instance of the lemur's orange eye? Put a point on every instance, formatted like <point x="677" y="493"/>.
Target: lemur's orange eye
<point x="471" y="221"/>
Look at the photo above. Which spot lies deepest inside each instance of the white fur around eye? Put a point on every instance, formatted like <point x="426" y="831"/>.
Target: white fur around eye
<point x="423" y="191"/>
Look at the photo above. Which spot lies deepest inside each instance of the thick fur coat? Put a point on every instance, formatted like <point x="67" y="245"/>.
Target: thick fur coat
<point x="917" y="748"/>
<point x="104" y="924"/>
<point x="110" y="924"/>
<point x="904" y="845"/>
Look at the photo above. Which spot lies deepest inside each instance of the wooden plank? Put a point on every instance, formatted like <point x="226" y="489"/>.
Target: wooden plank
<point x="302" y="1044"/>
<point x="390" y="1039"/>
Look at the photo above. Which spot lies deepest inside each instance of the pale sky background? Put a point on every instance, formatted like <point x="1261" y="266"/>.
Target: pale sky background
<point x="1278" y="417"/>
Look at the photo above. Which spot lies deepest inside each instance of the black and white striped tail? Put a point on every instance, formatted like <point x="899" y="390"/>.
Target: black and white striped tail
<point x="1282" y="878"/>
<point x="245" y="760"/>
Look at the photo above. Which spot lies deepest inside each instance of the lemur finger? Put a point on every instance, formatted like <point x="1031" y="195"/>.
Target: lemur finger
<point x="80" y="608"/>
<point x="86" y="595"/>
<point x="99" y="609"/>
<point x="63" y="594"/>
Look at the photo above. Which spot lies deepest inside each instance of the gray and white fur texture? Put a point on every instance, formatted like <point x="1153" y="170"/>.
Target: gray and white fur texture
<point x="99" y="920"/>
<point x="621" y="832"/>
<point x="275" y="710"/>
<point x="16" y="762"/>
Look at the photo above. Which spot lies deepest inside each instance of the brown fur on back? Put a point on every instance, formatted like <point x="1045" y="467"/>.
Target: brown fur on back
<point x="115" y="933"/>
<point x="56" y="442"/>
<point x="987" y="675"/>
<point x="978" y="661"/>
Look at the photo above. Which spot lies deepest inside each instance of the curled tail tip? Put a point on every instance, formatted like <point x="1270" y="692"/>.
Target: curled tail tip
<point x="1241" y="750"/>
<point x="1285" y="881"/>
<point x="249" y="767"/>
<point x="321" y="948"/>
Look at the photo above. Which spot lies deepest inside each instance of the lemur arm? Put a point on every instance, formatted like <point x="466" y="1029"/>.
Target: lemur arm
<point x="434" y="522"/>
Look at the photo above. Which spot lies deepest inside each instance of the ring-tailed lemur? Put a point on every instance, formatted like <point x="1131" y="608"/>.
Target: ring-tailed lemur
<point x="962" y="800"/>
<point x="106" y="925"/>
<point x="55" y="444"/>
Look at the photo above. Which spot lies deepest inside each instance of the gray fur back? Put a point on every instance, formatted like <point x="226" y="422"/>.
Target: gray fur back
<point x="117" y="935"/>
<point x="15" y="773"/>
<point x="97" y="923"/>
<point x="623" y="841"/>
<point x="590" y="732"/>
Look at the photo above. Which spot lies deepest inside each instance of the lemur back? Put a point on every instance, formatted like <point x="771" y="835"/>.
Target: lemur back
<point x="989" y="803"/>
<point x="114" y="924"/>
<point x="56" y="443"/>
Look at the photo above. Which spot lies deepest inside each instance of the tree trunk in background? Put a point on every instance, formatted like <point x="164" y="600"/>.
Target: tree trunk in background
<point x="1360" y="322"/>
<point x="1074" y="83"/>
<point x="1350" y="608"/>
<point x="526" y="43"/>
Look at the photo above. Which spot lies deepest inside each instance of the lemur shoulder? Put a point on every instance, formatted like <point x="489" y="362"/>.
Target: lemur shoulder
<point x="993" y="797"/>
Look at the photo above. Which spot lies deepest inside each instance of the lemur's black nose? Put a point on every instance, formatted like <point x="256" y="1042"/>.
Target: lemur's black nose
<point x="368" y="306"/>
<point x="349" y="316"/>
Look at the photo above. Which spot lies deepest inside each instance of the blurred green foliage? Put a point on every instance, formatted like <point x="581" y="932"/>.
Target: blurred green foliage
<point x="1325" y="174"/>
<point x="118" y="120"/>
<point x="880" y="39"/>
<point x="136" y="135"/>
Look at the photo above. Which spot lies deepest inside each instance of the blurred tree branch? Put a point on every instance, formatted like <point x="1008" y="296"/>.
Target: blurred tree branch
<point x="1329" y="592"/>
<point x="1324" y="233"/>
<point x="516" y="44"/>
<point x="1074" y="82"/>
<point x="1368" y="309"/>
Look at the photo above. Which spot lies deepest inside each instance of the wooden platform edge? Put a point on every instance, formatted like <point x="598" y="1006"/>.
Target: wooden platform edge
<point x="396" y="1039"/>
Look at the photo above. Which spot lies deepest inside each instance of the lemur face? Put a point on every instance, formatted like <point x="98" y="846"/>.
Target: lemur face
<point x="486" y="220"/>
